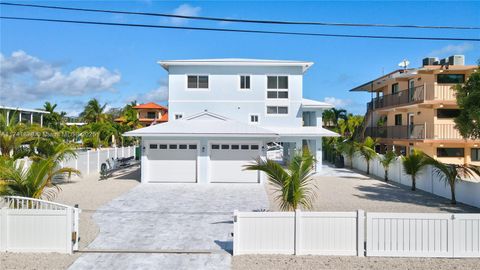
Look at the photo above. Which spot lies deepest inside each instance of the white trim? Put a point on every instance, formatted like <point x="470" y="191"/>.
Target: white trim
<point x="235" y="62"/>
<point x="235" y="101"/>
<point x="277" y="89"/>
<point x="239" y="80"/>
<point x="22" y="109"/>
<point x="250" y="118"/>
<point x="198" y="82"/>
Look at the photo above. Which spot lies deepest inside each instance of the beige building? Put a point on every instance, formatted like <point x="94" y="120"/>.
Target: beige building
<point x="414" y="108"/>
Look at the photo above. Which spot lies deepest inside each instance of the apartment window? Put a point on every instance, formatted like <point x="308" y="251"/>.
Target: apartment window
<point x="277" y="86"/>
<point x="277" y="110"/>
<point x="244" y="82"/>
<point x="197" y="81"/>
<point x="178" y="116"/>
<point x="450" y="78"/>
<point x="398" y="119"/>
<point x="448" y="113"/>
<point x="475" y="155"/>
<point x="450" y="152"/>
<point x="395" y="88"/>
<point x="151" y="115"/>
<point x="254" y="118"/>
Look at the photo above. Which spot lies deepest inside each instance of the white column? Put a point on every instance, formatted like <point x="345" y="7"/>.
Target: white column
<point x="41" y="119"/>
<point x="8" y="117"/>
<point x="19" y="117"/>
<point x="203" y="175"/>
<point x="318" y="155"/>
<point x="31" y="118"/>
<point x="360" y="233"/>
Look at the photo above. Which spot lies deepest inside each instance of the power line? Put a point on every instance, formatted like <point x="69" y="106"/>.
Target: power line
<point x="238" y="30"/>
<point x="245" y="20"/>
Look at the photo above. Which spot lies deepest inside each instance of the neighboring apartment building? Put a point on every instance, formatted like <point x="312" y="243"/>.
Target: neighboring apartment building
<point x="23" y="115"/>
<point x="149" y="113"/>
<point x="414" y="108"/>
<point x="223" y="113"/>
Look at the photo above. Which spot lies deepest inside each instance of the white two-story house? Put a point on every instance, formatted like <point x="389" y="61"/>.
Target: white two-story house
<point x="223" y="114"/>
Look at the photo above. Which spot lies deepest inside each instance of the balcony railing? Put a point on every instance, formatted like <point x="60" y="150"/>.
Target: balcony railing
<point x="416" y="132"/>
<point x="414" y="95"/>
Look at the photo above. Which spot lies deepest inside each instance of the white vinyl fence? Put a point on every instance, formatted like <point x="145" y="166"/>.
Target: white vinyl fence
<point x="345" y="233"/>
<point x="467" y="192"/>
<point x="89" y="161"/>
<point x="31" y="225"/>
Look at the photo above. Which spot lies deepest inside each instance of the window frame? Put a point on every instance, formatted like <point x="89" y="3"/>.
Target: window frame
<point x="477" y="154"/>
<point x="252" y="115"/>
<point x="278" y="90"/>
<point x="240" y="82"/>
<point x="401" y="119"/>
<point x="198" y="82"/>
<point x="450" y="74"/>
<point x="397" y="86"/>
<point x="277" y="114"/>
<point x="446" y="156"/>
<point x="154" y="115"/>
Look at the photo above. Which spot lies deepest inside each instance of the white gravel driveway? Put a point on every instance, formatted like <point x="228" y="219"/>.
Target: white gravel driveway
<point x="154" y="218"/>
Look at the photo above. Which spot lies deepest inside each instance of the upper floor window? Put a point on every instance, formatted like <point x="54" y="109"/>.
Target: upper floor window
<point x="398" y="119"/>
<point x="450" y="78"/>
<point x="475" y="154"/>
<point x="244" y="82"/>
<point x="151" y="115"/>
<point x="395" y="88"/>
<point x="277" y="86"/>
<point x="448" y="113"/>
<point x="450" y="152"/>
<point x="197" y="81"/>
<point x="277" y="110"/>
<point x="254" y="118"/>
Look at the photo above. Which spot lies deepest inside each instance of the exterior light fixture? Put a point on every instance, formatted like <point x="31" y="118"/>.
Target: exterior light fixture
<point x="203" y="149"/>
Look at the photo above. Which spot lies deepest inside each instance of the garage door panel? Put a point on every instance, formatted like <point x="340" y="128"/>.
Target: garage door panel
<point x="227" y="163"/>
<point x="170" y="163"/>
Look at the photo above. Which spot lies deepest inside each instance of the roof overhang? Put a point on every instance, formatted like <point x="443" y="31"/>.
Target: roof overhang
<point x="166" y="64"/>
<point x="22" y="109"/>
<point x="315" y="105"/>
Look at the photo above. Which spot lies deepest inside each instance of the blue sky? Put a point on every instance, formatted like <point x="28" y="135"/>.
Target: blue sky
<point x="69" y="64"/>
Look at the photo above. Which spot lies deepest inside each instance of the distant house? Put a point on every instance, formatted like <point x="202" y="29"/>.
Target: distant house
<point x="149" y="113"/>
<point x="24" y="115"/>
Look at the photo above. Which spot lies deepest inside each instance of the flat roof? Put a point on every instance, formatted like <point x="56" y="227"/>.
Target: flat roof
<point x="235" y="62"/>
<point x="23" y="109"/>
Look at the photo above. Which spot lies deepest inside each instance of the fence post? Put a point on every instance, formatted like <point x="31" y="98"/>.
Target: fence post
<point x="360" y="233"/>
<point x="88" y="162"/>
<point x="98" y="160"/>
<point x="450" y="236"/>
<point x="134" y="152"/>
<point x="123" y="151"/>
<point x="236" y="237"/>
<point x="297" y="244"/>
<point x="115" y="153"/>
<point x="76" y="226"/>
<point x="69" y="217"/>
<point x="3" y="229"/>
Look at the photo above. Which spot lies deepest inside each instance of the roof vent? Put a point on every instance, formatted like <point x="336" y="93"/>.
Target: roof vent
<point x="429" y="61"/>
<point x="456" y="60"/>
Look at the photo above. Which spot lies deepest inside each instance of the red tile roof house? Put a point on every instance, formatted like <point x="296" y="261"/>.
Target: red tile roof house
<point x="149" y="113"/>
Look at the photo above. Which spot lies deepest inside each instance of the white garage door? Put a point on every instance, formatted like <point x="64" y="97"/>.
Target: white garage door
<point x="172" y="162"/>
<point x="227" y="161"/>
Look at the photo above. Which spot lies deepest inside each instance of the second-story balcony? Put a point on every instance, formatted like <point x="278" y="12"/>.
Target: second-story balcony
<point x="418" y="94"/>
<point x="416" y="132"/>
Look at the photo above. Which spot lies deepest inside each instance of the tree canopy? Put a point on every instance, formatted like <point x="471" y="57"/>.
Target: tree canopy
<point x="468" y="100"/>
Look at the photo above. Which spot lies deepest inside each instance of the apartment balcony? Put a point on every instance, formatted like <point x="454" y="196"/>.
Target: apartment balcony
<point x="416" y="132"/>
<point x="418" y="94"/>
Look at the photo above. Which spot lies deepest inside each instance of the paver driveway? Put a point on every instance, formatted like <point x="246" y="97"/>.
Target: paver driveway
<point x="155" y="217"/>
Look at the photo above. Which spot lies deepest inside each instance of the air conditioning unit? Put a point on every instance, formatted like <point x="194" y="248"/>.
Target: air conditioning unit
<point x="429" y="61"/>
<point x="443" y="61"/>
<point x="456" y="60"/>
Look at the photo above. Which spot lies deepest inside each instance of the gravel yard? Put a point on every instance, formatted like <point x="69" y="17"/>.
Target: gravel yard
<point x="90" y="194"/>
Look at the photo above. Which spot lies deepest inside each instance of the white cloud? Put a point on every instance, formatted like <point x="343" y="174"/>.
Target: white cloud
<point x="27" y="78"/>
<point x="452" y="49"/>
<point x="184" y="10"/>
<point x="337" y="102"/>
<point x="157" y="95"/>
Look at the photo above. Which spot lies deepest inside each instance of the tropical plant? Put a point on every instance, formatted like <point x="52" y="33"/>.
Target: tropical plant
<point x="366" y="149"/>
<point x="348" y="148"/>
<point x="53" y="119"/>
<point x="293" y="185"/>
<point x="386" y="160"/>
<point x="452" y="173"/>
<point x="468" y="100"/>
<point x="94" y="112"/>
<point x="413" y="163"/>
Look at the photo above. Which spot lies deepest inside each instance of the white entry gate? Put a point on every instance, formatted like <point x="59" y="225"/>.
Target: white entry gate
<point x="31" y="225"/>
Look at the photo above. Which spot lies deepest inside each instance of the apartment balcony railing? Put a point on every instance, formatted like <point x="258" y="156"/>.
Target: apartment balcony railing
<point x="416" y="132"/>
<point x="414" y="95"/>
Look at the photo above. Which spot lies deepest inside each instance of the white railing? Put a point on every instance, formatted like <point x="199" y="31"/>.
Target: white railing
<point x="467" y="192"/>
<point x="357" y="233"/>
<point x="32" y="225"/>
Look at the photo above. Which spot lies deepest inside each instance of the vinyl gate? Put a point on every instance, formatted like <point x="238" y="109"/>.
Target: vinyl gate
<point x="345" y="233"/>
<point x="30" y="225"/>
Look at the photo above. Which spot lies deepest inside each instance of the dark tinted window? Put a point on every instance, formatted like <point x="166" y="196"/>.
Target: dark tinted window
<point x="271" y="110"/>
<point x="272" y="82"/>
<point x="192" y="81"/>
<point x="235" y="146"/>
<point x="282" y="82"/>
<point x="244" y="147"/>
<point x="283" y="94"/>
<point x="254" y="147"/>
<point x="163" y="146"/>
<point x="244" y="82"/>
<point x="450" y="152"/>
<point x="153" y="146"/>
<point x="451" y="78"/>
<point x="475" y="154"/>
<point x="398" y="119"/>
<point x="447" y="113"/>
<point x="225" y="146"/>
<point x="172" y="146"/>
<point x="202" y="81"/>
<point x="151" y="115"/>
<point x="215" y="146"/>
<point x="272" y="94"/>
<point x="282" y="110"/>
<point x="182" y="146"/>
<point x="192" y="146"/>
<point x="394" y="88"/>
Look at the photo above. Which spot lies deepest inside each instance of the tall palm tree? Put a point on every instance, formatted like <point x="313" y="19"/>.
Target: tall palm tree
<point x="94" y="112"/>
<point x="293" y="185"/>
<point x="12" y="134"/>
<point x="53" y="119"/>
<point x="386" y="160"/>
<point x="366" y="149"/>
<point x="413" y="163"/>
<point x="339" y="114"/>
<point x="452" y="173"/>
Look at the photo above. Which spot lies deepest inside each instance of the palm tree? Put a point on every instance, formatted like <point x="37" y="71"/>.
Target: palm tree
<point x="53" y="119"/>
<point x="348" y="148"/>
<point x="94" y="112"/>
<point x="452" y="173"/>
<point x="414" y="163"/>
<point x="367" y="150"/>
<point x="386" y="160"/>
<point x="12" y="134"/>
<point x="293" y="185"/>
